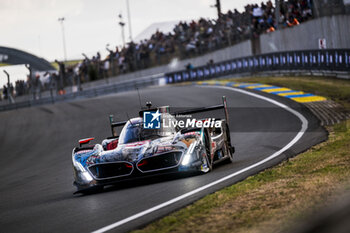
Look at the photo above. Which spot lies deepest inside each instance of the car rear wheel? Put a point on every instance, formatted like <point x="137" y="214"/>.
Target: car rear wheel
<point x="207" y="164"/>
<point x="228" y="147"/>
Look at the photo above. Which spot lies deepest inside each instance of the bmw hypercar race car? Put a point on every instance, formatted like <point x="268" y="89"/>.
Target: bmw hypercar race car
<point x="151" y="144"/>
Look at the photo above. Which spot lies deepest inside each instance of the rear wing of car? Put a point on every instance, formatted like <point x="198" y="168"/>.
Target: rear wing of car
<point x="189" y="111"/>
<point x="207" y="109"/>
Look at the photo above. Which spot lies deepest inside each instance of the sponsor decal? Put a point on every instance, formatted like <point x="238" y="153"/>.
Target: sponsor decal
<point x="192" y="123"/>
<point x="192" y="133"/>
<point x="161" y="149"/>
<point x="83" y="152"/>
<point x="136" y="144"/>
<point x="151" y="120"/>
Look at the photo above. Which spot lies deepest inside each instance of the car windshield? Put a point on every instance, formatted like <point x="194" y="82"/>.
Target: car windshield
<point x="134" y="132"/>
<point x="130" y="133"/>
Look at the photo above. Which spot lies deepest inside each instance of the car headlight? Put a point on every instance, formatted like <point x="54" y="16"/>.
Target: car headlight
<point x="187" y="157"/>
<point x="86" y="176"/>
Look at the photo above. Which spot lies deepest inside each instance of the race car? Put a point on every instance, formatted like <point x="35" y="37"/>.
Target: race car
<point x="153" y="143"/>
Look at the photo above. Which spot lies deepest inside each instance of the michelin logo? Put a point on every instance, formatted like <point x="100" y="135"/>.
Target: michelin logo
<point x="151" y="120"/>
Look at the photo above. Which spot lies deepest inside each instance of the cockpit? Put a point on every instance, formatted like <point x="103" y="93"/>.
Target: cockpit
<point x="134" y="130"/>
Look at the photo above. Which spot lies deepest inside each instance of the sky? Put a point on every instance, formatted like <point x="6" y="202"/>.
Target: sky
<point x="33" y="26"/>
<point x="16" y="72"/>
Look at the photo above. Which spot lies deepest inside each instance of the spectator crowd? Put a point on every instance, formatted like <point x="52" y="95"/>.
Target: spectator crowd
<point x="187" y="39"/>
<point x="198" y="37"/>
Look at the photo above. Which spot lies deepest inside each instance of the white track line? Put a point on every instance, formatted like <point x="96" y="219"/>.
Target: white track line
<point x="186" y="195"/>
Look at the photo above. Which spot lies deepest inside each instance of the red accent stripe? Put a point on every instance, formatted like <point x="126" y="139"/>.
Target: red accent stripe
<point x="144" y="162"/>
<point x="86" y="140"/>
<point x="128" y="165"/>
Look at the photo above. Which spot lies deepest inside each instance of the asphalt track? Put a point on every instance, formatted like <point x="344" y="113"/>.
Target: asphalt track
<point x="35" y="156"/>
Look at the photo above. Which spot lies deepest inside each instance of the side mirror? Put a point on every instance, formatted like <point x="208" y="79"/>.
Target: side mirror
<point x="85" y="141"/>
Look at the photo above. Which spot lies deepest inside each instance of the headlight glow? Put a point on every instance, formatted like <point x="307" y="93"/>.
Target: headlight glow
<point x="186" y="159"/>
<point x="188" y="154"/>
<point x="87" y="176"/>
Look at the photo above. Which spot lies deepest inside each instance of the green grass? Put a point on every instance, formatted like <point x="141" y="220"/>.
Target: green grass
<point x="3" y="64"/>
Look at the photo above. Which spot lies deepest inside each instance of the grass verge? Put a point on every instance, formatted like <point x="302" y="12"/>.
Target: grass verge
<point x="276" y="198"/>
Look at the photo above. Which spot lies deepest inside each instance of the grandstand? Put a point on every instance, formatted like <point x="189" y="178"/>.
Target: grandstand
<point x="190" y="41"/>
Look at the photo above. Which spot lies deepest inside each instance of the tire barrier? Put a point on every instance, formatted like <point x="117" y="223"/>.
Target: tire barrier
<point x="316" y="60"/>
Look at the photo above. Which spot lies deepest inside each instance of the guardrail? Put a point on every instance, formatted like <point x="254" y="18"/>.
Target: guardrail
<point x="102" y="90"/>
<point x="331" y="60"/>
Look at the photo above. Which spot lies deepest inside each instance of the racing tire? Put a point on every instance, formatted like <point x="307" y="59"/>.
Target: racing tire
<point x="207" y="158"/>
<point x="207" y="166"/>
<point x="230" y="150"/>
